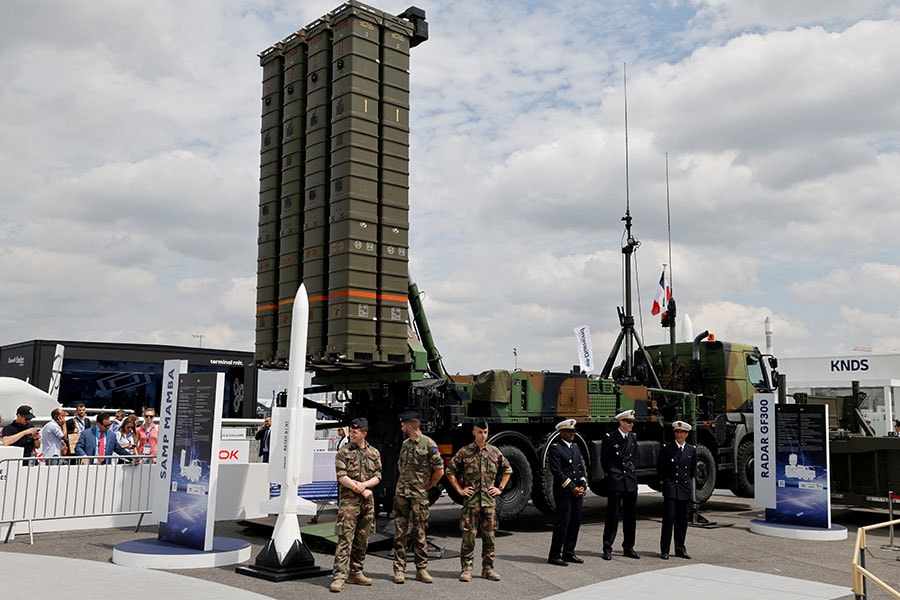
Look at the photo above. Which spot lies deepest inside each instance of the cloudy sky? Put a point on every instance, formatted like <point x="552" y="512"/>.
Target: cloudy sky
<point x="129" y="157"/>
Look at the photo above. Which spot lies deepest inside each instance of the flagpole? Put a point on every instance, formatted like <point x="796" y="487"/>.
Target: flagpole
<point x="670" y="305"/>
<point x="669" y="229"/>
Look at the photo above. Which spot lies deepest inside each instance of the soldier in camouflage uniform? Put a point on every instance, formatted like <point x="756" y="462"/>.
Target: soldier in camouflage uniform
<point x="358" y="469"/>
<point x="473" y="474"/>
<point x="421" y="467"/>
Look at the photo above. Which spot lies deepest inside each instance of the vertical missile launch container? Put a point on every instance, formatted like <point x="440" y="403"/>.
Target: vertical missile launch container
<point x="334" y="187"/>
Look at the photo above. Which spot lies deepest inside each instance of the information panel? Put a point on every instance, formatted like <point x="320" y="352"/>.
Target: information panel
<point x="192" y="487"/>
<point x="801" y="456"/>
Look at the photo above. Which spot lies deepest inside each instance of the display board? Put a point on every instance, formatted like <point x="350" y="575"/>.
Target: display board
<point x="192" y="489"/>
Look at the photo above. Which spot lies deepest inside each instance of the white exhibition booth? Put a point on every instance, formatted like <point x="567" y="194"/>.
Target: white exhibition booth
<point x="878" y="376"/>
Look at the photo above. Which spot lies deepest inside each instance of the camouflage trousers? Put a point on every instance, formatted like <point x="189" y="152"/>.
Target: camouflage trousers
<point x="355" y="521"/>
<point x="473" y="519"/>
<point x="417" y="511"/>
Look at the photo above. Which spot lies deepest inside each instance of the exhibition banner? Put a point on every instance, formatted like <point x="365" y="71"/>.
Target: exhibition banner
<point x="585" y="348"/>
<point x="801" y="464"/>
<point x="194" y="461"/>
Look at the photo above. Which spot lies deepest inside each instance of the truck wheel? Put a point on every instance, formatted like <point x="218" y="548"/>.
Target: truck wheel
<point x="744" y="477"/>
<point x="706" y="474"/>
<point x="451" y="493"/>
<point x="515" y="495"/>
<point x="542" y="491"/>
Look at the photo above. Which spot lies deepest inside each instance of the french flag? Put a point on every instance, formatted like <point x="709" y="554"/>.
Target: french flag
<point x="663" y="294"/>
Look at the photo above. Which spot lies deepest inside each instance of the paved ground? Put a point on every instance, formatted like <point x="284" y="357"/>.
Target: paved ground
<point x="726" y="559"/>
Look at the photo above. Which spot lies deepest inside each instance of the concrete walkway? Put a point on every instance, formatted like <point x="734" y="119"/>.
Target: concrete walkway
<point x="707" y="582"/>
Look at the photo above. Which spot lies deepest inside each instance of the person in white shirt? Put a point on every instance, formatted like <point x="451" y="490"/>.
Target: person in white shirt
<point x="53" y="436"/>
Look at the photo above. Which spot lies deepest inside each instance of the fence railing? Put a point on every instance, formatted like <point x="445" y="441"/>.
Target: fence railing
<point x="861" y="575"/>
<point x="36" y="489"/>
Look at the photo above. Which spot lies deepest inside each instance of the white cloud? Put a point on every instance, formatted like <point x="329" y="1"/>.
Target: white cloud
<point x="130" y="170"/>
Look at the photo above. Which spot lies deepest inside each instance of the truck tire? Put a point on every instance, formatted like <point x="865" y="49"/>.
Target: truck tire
<point x="451" y="493"/>
<point x="517" y="492"/>
<point x="706" y="474"/>
<point x="542" y="491"/>
<point x="744" y="478"/>
<point x="542" y="488"/>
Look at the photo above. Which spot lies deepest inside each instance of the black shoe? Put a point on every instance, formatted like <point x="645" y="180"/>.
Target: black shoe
<point x="572" y="558"/>
<point x="558" y="562"/>
<point x="664" y="556"/>
<point x="630" y="553"/>
<point x="607" y="555"/>
<point x="684" y="555"/>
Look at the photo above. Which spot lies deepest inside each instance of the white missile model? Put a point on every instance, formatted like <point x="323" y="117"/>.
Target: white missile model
<point x="293" y="430"/>
<point x="687" y="329"/>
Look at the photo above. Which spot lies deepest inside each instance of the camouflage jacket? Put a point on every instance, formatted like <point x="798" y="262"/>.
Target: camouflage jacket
<point x="359" y="464"/>
<point x="418" y="460"/>
<point x="479" y="468"/>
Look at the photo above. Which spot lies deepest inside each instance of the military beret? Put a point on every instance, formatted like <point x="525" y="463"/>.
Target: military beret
<point x="359" y="423"/>
<point x="410" y="415"/>
<point x="567" y="424"/>
<point x="681" y="426"/>
<point x="625" y="415"/>
<point x="480" y="423"/>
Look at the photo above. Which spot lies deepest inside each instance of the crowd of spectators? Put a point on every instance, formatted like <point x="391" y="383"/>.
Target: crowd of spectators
<point x="76" y="435"/>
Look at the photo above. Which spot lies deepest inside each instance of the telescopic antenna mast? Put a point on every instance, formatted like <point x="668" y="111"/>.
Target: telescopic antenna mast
<point x="627" y="334"/>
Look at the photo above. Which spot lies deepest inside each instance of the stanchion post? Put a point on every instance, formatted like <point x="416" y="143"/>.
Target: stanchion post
<point x="891" y="515"/>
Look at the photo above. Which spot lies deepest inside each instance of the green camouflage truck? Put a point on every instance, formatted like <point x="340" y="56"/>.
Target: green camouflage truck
<point x="521" y="408"/>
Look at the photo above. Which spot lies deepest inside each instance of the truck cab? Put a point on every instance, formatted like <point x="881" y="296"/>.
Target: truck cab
<point x="725" y="376"/>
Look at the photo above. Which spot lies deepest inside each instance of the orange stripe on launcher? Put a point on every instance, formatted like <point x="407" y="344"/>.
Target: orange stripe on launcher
<point x="266" y="307"/>
<point x="354" y="293"/>
<point x="311" y="299"/>
<point x="341" y="294"/>
<point x="392" y="298"/>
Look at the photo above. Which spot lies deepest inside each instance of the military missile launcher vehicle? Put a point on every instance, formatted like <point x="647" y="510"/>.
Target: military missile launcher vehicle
<point x="333" y="213"/>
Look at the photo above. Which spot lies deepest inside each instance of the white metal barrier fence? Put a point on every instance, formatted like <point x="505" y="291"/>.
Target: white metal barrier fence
<point x="35" y="489"/>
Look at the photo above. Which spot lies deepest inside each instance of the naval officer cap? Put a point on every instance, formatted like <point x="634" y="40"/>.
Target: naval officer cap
<point x="410" y="415"/>
<point x="681" y="426"/>
<point x="359" y="423"/>
<point x="625" y="415"/>
<point x="567" y="425"/>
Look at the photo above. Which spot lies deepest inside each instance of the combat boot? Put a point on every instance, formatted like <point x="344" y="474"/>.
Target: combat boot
<point x="490" y="573"/>
<point x="359" y="579"/>
<point x="399" y="577"/>
<point x="466" y="575"/>
<point x="337" y="585"/>
<point x="423" y="576"/>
